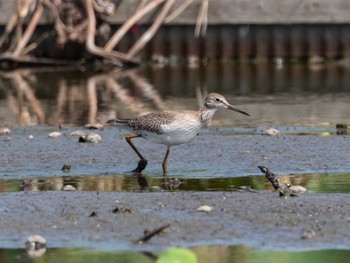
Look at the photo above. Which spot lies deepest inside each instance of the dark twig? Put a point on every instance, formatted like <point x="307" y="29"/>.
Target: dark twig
<point x="274" y="180"/>
<point x="147" y="236"/>
<point x="282" y="188"/>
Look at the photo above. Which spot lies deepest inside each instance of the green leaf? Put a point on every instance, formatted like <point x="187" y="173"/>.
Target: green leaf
<point x="178" y="255"/>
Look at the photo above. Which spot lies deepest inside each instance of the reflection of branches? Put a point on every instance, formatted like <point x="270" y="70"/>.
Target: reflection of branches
<point x="25" y="92"/>
<point x="147" y="89"/>
<point x="81" y="98"/>
<point x="61" y="99"/>
<point x="110" y="81"/>
<point x="92" y="100"/>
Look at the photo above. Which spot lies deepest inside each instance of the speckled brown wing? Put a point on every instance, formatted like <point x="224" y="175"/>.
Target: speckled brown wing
<point x="149" y="122"/>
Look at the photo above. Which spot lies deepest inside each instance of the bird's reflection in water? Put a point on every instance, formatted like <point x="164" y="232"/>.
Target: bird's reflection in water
<point x="167" y="184"/>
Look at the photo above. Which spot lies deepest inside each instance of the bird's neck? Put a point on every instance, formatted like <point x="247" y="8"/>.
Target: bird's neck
<point x="207" y="114"/>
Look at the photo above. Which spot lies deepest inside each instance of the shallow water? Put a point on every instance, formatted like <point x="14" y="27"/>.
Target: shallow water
<point x="212" y="254"/>
<point x="321" y="183"/>
<point x="275" y="95"/>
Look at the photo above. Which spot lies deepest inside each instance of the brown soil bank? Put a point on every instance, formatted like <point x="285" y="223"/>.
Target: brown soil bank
<point x="263" y="219"/>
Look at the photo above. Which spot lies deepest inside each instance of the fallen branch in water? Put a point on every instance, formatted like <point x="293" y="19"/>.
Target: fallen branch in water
<point x="282" y="188"/>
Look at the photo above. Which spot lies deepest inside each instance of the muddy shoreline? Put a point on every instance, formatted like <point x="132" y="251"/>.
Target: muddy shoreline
<point x="262" y="220"/>
<point x="209" y="155"/>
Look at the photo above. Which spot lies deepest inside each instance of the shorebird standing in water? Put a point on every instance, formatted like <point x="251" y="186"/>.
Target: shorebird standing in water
<point x="171" y="127"/>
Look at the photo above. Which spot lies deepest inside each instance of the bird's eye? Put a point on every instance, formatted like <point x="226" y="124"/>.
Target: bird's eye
<point x="218" y="99"/>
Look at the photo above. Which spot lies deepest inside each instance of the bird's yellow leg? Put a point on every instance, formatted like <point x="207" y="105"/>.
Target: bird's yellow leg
<point x="165" y="161"/>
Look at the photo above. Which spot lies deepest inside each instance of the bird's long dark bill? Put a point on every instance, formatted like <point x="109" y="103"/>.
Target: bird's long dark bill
<point x="230" y="107"/>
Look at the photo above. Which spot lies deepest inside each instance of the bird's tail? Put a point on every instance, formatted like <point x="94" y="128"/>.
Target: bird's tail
<point x="117" y="121"/>
<point x="112" y="121"/>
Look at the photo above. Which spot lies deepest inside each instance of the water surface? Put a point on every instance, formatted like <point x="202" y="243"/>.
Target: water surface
<point x="212" y="254"/>
<point x="297" y="99"/>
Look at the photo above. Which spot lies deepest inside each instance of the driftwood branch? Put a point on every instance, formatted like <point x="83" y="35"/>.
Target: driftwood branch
<point x="79" y="22"/>
<point x="282" y="188"/>
<point x="152" y="30"/>
<point x="29" y="30"/>
<point x="118" y="35"/>
<point x="90" y="39"/>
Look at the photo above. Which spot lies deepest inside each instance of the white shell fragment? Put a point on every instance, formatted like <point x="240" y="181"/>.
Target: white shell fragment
<point x="5" y="131"/>
<point x="205" y="208"/>
<point x="54" y="134"/>
<point x="91" y="137"/>
<point x="297" y="189"/>
<point x="68" y="187"/>
<point x="272" y="132"/>
<point x="35" y="246"/>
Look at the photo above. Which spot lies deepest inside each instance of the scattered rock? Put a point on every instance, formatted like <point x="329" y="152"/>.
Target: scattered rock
<point x="77" y="133"/>
<point x="271" y="132"/>
<point x="342" y="128"/>
<point x="54" y="134"/>
<point x="93" y="214"/>
<point x="5" y="131"/>
<point x="308" y="234"/>
<point x="66" y="167"/>
<point x="205" y="208"/>
<point x="297" y="189"/>
<point x="35" y="246"/>
<point x="91" y="137"/>
<point x="95" y="126"/>
<point x="122" y="210"/>
<point x="68" y="187"/>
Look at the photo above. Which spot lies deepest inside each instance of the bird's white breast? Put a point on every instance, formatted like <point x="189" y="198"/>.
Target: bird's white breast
<point x="184" y="128"/>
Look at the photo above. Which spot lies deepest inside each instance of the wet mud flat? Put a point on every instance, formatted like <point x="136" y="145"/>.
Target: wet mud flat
<point x="210" y="154"/>
<point x="114" y="221"/>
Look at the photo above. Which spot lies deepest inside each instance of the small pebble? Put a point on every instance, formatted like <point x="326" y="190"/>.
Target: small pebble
<point x="68" y="187"/>
<point x="77" y="133"/>
<point x="5" y="131"/>
<point x="35" y="246"/>
<point x="66" y="167"/>
<point x="308" y="234"/>
<point x="271" y="132"/>
<point x="205" y="208"/>
<point x="31" y="137"/>
<point x="54" y="134"/>
<point x="297" y="189"/>
<point x="91" y="137"/>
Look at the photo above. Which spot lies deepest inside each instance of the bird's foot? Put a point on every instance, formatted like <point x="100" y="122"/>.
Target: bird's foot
<point x="140" y="166"/>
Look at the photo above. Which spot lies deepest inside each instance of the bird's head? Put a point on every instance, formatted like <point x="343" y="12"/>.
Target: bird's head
<point x="217" y="101"/>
